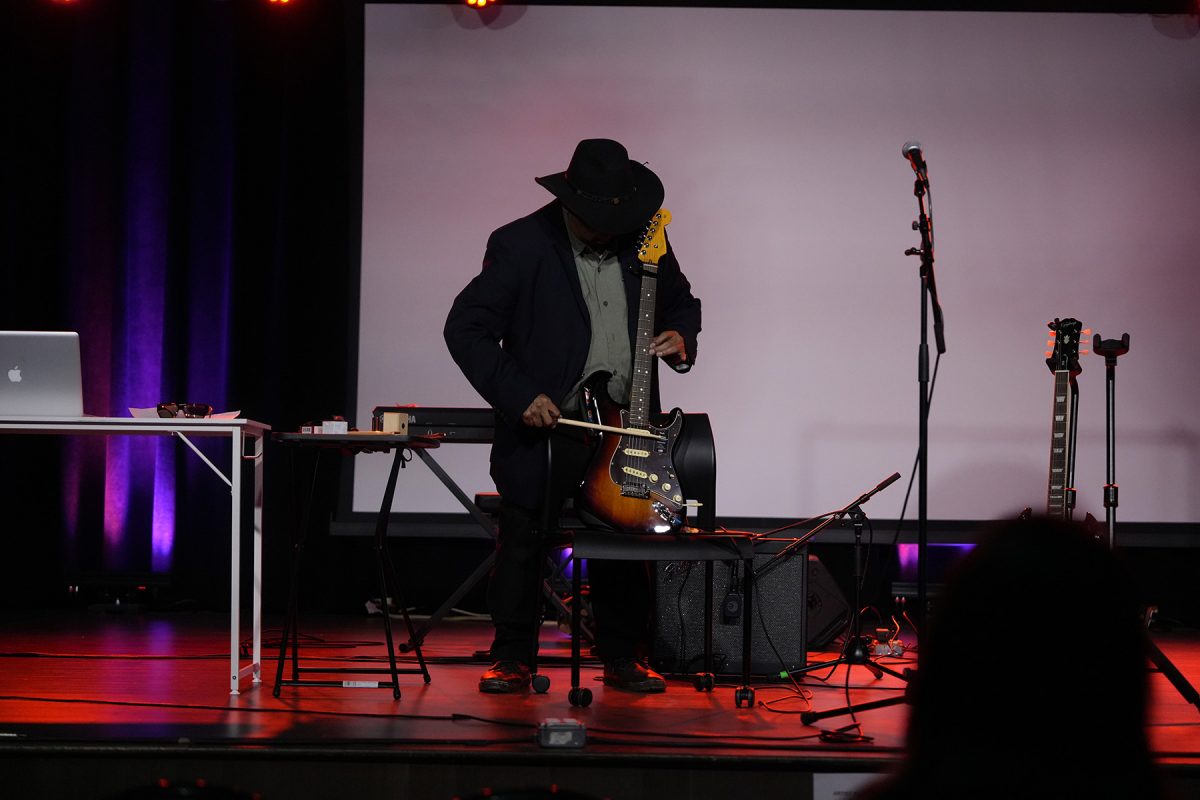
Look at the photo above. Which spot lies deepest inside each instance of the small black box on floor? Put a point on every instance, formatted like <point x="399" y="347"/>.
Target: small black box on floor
<point x="785" y="625"/>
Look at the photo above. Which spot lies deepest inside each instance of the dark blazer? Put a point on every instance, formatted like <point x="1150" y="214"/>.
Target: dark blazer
<point x="521" y="328"/>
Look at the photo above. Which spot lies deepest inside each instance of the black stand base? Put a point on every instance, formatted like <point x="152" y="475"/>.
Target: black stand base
<point x="857" y="653"/>
<point x="809" y="717"/>
<point x="1172" y="673"/>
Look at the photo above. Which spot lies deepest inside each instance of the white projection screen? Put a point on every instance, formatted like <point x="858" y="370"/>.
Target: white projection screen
<point x="1064" y="156"/>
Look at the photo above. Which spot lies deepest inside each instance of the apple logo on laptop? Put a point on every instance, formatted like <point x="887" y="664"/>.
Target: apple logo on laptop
<point x="14" y="374"/>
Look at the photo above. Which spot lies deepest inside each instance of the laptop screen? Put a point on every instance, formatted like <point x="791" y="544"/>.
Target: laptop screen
<point x="40" y="375"/>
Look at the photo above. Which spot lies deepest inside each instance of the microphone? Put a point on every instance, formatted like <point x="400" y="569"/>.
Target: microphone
<point x="886" y="482"/>
<point x="912" y="152"/>
<point x="883" y="484"/>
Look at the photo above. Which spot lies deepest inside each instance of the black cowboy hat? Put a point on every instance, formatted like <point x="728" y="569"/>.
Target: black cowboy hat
<point x="605" y="189"/>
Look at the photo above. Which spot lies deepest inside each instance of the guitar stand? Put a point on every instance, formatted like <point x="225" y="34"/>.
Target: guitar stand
<point x="1112" y="349"/>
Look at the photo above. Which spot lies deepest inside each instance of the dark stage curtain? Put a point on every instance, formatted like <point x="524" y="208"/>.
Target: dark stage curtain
<point x="176" y="184"/>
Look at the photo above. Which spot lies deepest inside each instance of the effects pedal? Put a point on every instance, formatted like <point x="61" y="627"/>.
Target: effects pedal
<point x="561" y="733"/>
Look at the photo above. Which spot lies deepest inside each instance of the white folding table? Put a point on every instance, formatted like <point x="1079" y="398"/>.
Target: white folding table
<point x="238" y="431"/>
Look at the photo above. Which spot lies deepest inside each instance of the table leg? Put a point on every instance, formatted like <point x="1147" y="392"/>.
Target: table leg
<point x="259" y="489"/>
<point x="381" y="526"/>
<point x="235" y="558"/>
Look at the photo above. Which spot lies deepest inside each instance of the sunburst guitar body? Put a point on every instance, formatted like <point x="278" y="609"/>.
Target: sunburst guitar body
<point x="631" y="483"/>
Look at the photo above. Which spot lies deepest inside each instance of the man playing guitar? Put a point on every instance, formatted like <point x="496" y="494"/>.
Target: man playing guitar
<point x="555" y="307"/>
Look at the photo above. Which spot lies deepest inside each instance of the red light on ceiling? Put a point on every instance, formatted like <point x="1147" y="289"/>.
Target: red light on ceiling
<point x="481" y="3"/>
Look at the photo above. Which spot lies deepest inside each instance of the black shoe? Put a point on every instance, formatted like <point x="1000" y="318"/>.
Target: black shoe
<point x="632" y="676"/>
<point x="505" y="677"/>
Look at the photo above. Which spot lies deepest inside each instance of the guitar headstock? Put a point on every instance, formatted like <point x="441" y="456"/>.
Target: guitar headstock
<point x="652" y="244"/>
<point x="1064" y="343"/>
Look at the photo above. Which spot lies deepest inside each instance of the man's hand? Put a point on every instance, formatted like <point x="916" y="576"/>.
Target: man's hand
<point x="669" y="343"/>
<point x="542" y="413"/>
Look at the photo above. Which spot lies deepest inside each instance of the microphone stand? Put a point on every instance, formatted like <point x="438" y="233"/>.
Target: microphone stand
<point x="796" y="544"/>
<point x="929" y="298"/>
<point x="856" y="650"/>
<point x="924" y="224"/>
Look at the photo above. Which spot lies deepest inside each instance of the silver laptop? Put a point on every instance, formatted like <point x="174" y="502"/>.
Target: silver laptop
<point x="39" y="374"/>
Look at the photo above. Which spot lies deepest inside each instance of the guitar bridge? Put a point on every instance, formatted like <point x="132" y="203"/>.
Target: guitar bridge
<point x="638" y="490"/>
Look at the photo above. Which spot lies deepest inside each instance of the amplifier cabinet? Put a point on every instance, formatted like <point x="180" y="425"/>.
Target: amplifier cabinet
<point x="796" y="605"/>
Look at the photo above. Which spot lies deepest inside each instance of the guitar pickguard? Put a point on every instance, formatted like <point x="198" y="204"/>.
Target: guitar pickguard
<point x="642" y="468"/>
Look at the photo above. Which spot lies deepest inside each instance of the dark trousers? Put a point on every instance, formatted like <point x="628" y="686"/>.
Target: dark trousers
<point x="620" y="591"/>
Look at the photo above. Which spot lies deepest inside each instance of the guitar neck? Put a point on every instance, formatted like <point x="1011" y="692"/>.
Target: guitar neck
<point x="1060" y="447"/>
<point x="643" y="362"/>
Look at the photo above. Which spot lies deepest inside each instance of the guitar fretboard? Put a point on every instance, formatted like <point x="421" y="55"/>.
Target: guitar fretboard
<point x="643" y="362"/>
<point x="1060" y="444"/>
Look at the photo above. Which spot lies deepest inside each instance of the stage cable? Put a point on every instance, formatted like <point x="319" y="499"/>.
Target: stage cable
<point x="741" y="741"/>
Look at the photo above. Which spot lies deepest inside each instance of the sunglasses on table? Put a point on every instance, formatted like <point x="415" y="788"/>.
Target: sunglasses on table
<point x="185" y="410"/>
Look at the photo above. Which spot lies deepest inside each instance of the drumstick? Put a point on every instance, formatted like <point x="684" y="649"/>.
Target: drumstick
<point x="610" y="429"/>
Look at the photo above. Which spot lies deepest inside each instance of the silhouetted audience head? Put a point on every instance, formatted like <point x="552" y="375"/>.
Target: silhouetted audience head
<point x="1032" y="679"/>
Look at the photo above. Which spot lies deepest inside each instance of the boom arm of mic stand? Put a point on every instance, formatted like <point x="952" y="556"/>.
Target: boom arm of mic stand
<point x="792" y="546"/>
<point x="796" y="544"/>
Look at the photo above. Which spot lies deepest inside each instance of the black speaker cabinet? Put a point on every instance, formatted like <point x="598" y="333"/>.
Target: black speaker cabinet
<point x="794" y="608"/>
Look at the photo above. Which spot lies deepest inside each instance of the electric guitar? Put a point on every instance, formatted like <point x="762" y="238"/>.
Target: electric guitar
<point x="1063" y="361"/>
<point x="631" y="484"/>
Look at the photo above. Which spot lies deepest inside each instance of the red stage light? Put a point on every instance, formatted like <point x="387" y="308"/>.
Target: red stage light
<point x="481" y="3"/>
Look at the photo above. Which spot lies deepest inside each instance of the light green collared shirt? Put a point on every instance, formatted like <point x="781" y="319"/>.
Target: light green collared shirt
<point x="604" y="293"/>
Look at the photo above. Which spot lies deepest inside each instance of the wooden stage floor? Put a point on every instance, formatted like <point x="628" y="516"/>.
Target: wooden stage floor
<point x="93" y="704"/>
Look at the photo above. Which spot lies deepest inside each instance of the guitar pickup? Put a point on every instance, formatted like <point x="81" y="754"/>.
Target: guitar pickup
<point x="639" y="490"/>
